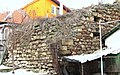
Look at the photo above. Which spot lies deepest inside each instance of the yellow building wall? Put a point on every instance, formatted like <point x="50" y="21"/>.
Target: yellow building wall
<point x="40" y="8"/>
<point x="35" y="9"/>
<point x="49" y="8"/>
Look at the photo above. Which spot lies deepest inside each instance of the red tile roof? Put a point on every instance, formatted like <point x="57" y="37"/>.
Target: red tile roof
<point x="3" y="15"/>
<point x="18" y="16"/>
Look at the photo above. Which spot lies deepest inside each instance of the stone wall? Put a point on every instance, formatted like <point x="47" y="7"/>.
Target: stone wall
<point x="40" y="44"/>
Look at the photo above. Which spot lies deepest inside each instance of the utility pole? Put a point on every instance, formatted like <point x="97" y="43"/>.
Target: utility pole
<point x="82" y="68"/>
<point x="13" y="47"/>
<point x="100" y="30"/>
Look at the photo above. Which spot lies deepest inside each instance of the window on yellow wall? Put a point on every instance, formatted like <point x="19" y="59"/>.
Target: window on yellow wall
<point x="57" y="11"/>
<point x="53" y="10"/>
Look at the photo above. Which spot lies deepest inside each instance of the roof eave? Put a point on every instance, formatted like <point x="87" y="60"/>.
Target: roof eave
<point x="117" y="27"/>
<point x="64" y="7"/>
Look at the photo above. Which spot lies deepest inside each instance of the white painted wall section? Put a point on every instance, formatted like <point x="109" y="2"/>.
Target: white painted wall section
<point x="113" y="41"/>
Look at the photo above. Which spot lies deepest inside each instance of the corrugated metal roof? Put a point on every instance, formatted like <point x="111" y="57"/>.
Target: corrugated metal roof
<point x="89" y="57"/>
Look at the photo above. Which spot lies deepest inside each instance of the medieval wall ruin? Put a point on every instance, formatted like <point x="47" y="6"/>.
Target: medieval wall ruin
<point x="38" y="45"/>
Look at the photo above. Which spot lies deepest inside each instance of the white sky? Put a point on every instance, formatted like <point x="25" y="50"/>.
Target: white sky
<point x="83" y="3"/>
<point x="9" y="5"/>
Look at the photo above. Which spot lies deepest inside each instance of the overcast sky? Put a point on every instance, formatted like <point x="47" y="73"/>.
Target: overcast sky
<point x="9" y="5"/>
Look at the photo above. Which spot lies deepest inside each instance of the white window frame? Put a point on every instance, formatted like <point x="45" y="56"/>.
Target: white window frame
<point x="53" y="9"/>
<point x="58" y="8"/>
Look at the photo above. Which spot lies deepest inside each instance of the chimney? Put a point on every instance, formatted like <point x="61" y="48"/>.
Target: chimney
<point x="61" y="8"/>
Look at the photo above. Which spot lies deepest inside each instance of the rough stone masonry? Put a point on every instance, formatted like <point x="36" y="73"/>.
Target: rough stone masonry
<point x="40" y="44"/>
